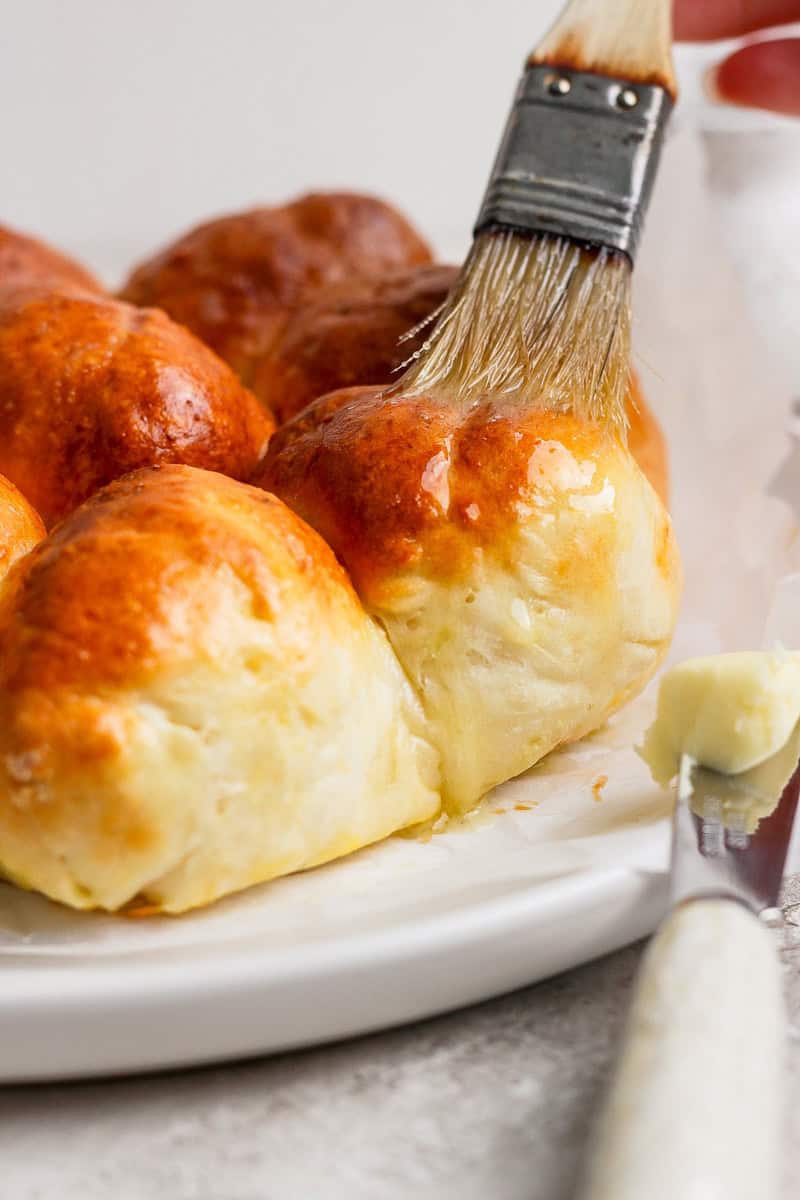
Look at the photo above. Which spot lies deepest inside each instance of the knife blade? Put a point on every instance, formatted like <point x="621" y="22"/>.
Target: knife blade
<point x="731" y="833"/>
<point x="695" y="1106"/>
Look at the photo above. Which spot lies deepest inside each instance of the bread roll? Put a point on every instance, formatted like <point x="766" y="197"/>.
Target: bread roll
<point x="523" y="567"/>
<point x="91" y="388"/>
<point x="20" y="527"/>
<point x="25" y="261"/>
<point x="192" y="701"/>
<point x="233" y="280"/>
<point x="349" y="334"/>
<point x="355" y="333"/>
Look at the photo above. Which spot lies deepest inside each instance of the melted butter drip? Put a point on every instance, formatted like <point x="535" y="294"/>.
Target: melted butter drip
<point x="485" y="813"/>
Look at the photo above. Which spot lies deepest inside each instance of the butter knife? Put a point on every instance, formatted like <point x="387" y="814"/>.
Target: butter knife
<point x="694" y="1110"/>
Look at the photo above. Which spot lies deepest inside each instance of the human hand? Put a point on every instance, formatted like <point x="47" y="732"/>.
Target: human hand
<point x="760" y="75"/>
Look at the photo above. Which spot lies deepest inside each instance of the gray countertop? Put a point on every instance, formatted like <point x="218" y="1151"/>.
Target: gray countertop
<point x="492" y="1103"/>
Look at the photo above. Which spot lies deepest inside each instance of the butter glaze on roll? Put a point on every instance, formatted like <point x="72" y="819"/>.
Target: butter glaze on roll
<point x="234" y="280"/>
<point x="523" y="567"/>
<point x="20" y="527"/>
<point x="25" y="261"/>
<point x="91" y="388"/>
<point x="192" y="700"/>
<point x="356" y="333"/>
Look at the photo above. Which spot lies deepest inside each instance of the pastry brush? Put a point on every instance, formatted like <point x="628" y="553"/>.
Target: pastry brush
<point x="694" y="1109"/>
<point x="541" y="309"/>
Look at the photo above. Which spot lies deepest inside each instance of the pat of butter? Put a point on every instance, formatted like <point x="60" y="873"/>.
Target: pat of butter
<point x="729" y="712"/>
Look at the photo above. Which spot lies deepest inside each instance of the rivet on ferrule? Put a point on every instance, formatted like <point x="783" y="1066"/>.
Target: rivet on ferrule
<point x="559" y="85"/>
<point x="578" y="158"/>
<point x="627" y="98"/>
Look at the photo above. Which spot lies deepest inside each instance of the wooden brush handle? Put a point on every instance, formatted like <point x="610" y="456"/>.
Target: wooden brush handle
<point x="627" y="39"/>
<point x="695" y="1106"/>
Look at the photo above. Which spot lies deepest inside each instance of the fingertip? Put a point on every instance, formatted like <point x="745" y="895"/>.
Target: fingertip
<point x="710" y="85"/>
<point x="709" y="20"/>
<point x="762" y="75"/>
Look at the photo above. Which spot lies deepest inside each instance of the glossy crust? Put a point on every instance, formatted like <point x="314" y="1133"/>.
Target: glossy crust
<point x="524" y="569"/>
<point x="350" y="335"/>
<point x="91" y="388"/>
<point x="233" y="281"/>
<point x="392" y="482"/>
<point x="192" y="700"/>
<point x="20" y="527"/>
<point x="25" y="261"/>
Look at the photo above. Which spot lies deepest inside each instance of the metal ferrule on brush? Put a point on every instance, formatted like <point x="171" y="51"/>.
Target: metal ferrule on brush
<point x="578" y="158"/>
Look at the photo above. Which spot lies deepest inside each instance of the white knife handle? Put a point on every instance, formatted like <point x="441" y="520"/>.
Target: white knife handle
<point x="695" y="1109"/>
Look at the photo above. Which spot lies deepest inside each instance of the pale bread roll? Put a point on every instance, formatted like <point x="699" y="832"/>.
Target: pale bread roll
<point x="524" y="568"/>
<point x="192" y="701"/>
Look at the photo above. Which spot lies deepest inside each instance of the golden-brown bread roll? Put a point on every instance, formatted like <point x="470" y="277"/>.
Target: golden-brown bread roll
<point x="192" y="700"/>
<point x="91" y="388"/>
<point x="20" y="527"/>
<point x="353" y="334"/>
<point x="233" y="280"/>
<point x="25" y="261"/>
<point x="348" y="335"/>
<point x="522" y="565"/>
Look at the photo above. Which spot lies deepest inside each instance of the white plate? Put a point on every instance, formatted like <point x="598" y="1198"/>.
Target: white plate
<point x="400" y="931"/>
<point x="404" y="930"/>
<point x="191" y="1005"/>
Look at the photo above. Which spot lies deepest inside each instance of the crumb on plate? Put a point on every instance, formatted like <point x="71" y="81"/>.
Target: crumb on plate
<point x="597" y="788"/>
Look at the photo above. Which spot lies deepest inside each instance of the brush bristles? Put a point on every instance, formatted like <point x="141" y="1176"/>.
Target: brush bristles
<point x="536" y="320"/>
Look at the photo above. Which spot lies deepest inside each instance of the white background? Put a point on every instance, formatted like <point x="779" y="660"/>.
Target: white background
<point x="124" y="123"/>
<point x="133" y="120"/>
